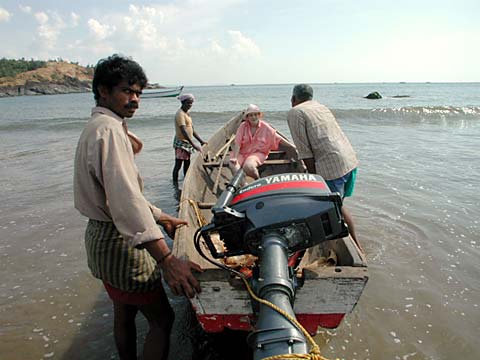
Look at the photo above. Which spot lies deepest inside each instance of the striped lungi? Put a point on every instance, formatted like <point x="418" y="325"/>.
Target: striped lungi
<point x="112" y="260"/>
<point x="184" y="145"/>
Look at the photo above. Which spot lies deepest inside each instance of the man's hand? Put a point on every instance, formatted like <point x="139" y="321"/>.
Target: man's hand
<point x="178" y="275"/>
<point x="170" y="223"/>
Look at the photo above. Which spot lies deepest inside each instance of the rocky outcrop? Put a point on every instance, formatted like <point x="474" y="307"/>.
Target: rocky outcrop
<point x="373" y="95"/>
<point x="55" y="78"/>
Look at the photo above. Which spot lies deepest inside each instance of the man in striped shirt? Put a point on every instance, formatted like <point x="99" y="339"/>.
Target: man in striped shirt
<point x="323" y="146"/>
<point x="125" y="247"/>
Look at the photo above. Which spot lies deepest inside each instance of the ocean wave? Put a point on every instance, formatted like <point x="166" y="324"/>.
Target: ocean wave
<point x="44" y="124"/>
<point x="414" y="114"/>
<point x="450" y="115"/>
<point x="434" y="110"/>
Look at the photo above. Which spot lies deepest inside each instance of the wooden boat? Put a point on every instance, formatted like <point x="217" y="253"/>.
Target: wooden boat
<point x="170" y="92"/>
<point x="333" y="274"/>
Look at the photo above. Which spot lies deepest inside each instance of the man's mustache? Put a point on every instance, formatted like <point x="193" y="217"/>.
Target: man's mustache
<point x="132" y="105"/>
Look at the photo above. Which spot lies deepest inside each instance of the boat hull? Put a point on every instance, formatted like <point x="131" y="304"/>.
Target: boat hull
<point x="162" y="93"/>
<point x="327" y="294"/>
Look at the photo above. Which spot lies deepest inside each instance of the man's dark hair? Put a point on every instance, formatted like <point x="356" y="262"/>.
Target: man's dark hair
<point x="303" y="92"/>
<point x="109" y="72"/>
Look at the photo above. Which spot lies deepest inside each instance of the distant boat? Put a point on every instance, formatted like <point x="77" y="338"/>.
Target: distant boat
<point x="168" y="92"/>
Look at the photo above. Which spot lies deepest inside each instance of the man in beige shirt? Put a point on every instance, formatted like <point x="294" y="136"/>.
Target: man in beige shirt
<point x="323" y="146"/>
<point x="125" y="247"/>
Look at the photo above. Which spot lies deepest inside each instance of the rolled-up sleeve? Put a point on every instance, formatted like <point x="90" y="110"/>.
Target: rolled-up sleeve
<point x="298" y="129"/>
<point x="134" y="217"/>
<point x="156" y="212"/>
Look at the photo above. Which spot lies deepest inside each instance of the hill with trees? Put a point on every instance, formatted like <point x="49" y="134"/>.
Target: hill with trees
<point x="35" y="77"/>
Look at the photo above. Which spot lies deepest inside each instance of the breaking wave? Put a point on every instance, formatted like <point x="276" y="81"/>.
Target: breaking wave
<point x="415" y="114"/>
<point x="446" y="115"/>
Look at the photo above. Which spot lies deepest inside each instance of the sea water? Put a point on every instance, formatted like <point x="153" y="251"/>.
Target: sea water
<point x="416" y="207"/>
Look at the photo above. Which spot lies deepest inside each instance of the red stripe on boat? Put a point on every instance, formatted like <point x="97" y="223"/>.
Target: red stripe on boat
<point x="280" y="186"/>
<point x="311" y="322"/>
<point x="217" y="323"/>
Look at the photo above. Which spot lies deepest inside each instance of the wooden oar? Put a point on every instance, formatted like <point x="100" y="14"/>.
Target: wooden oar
<point x="227" y="145"/>
<point x="225" y="148"/>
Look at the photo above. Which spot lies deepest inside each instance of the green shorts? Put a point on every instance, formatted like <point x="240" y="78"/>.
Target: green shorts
<point x="343" y="185"/>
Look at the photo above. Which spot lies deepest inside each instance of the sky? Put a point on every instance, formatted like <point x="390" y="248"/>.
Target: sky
<point x="214" y="42"/>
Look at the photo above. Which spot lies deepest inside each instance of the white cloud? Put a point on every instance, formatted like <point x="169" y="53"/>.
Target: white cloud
<point x="49" y="29"/>
<point x="216" y="48"/>
<point x="145" y="11"/>
<point x="180" y="44"/>
<point x="25" y="9"/>
<point x="4" y="15"/>
<point x="41" y="17"/>
<point x="243" y="45"/>
<point x="143" y="26"/>
<point x="75" y="18"/>
<point x="100" y="31"/>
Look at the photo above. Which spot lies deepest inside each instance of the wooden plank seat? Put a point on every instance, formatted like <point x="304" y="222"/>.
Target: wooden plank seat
<point x="214" y="164"/>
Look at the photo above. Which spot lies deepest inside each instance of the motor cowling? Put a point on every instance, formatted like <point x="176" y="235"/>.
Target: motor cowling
<point x="298" y="206"/>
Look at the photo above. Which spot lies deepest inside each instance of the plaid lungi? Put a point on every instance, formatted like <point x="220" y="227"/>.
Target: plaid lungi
<point x="184" y="145"/>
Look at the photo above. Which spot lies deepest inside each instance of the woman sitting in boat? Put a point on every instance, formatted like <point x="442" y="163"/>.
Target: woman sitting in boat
<point x="254" y="139"/>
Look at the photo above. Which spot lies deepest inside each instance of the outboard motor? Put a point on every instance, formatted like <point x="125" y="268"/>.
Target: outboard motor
<point x="272" y="218"/>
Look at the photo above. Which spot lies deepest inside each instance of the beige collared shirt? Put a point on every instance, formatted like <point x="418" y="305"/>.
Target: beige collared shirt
<point x="317" y="135"/>
<point x="107" y="184"/>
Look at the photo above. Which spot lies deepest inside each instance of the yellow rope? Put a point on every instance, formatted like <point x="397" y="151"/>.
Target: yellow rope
<point x="200" y="218"/>
<point x="314" y="353"/>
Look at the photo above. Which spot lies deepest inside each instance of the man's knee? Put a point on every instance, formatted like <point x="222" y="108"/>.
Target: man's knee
<point x="164" y="322"/>
<point x="159" y="316"/>
<point x="124" y="315"/>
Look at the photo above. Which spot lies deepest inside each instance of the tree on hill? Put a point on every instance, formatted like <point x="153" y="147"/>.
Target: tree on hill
<point x="10" y="67"/>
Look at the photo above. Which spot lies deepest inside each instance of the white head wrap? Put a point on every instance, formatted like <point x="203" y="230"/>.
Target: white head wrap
<point x="184" y="97"/>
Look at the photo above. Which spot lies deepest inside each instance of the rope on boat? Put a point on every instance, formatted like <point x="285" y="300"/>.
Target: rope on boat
<point x="314" y="353"/>
<point x="200" y="218"/>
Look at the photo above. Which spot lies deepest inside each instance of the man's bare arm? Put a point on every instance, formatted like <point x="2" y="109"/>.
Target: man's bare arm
<point x="176" y="272"/>
<point x="199" y="138"/>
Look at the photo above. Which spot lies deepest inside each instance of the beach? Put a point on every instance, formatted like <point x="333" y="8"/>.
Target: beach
<point x="416" y="207"/>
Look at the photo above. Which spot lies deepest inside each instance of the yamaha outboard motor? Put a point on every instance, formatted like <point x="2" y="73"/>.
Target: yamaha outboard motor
<point x="272" y="218"/>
